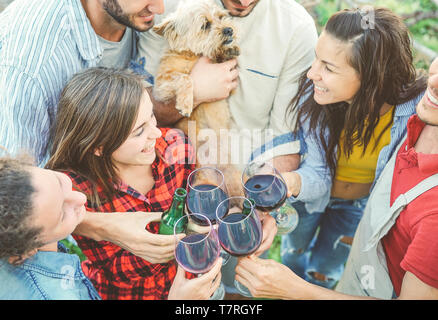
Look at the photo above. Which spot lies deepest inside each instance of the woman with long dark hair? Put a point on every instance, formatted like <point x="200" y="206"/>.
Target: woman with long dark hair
<point x="352" y="107"/>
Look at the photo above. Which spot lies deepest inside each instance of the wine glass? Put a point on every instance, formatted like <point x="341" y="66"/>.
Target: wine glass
<point x="265" y="185"/>
<point x="240" y="230"/>
<point x="206" y="188"/>
<point x="199" y="250"/>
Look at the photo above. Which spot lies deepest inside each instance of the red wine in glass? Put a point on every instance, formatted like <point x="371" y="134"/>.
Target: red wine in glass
<point x="206" y="188"/>
<point x="197" y="253"/>
<point x="240" y="231"/>
<point x="268" y="191"/>
<point x="199" y="250"/>
<point x="205" y="198"/>
<point x="265" y="185"/>
<point x="240" y="234"/>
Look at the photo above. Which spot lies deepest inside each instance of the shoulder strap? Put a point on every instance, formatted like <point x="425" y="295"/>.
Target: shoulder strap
<point x="385" y="223"/>
<point x="412" y="194"/>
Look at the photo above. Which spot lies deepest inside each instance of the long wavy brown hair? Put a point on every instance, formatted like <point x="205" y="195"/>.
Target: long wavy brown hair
<point x="97" y="111"/>
<point x="382" y="57"/>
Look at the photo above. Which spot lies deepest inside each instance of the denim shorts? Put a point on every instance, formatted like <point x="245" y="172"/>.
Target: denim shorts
<point x="316" y="246"/>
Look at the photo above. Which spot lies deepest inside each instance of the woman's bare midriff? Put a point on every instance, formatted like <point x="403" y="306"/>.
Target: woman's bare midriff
<point x="350" y="190"/>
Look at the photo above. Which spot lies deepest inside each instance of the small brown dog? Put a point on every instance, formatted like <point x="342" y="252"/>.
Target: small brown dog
<point x="197" y="28"/>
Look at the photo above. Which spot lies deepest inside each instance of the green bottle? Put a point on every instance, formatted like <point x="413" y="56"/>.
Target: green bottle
<point x="247" y="206"/>
<point x="174" y="213"/>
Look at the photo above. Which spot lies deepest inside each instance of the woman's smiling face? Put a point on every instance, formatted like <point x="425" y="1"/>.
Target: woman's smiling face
<point x="334" y="79"/>
<point x="139" y="148"/>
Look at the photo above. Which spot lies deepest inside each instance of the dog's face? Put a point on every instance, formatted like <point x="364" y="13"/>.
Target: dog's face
<point x="201" y="27"/>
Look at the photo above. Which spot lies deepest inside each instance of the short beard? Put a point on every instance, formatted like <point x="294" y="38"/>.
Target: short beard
<point x="238" y="16"/>
<point x="112" y="7"/>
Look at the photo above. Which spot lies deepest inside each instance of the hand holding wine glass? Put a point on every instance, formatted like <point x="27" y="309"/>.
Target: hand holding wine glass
<point x="199" y="250"/>
<point x="206" y="188"/>
<point x="293" y="183"/>
<point x="240" y="230"/>
<point x="263" y="183"/>
<point x="200" y="288"/>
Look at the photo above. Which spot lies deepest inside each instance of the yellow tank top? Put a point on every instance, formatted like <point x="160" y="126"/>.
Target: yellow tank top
<point x="360" y="168"/>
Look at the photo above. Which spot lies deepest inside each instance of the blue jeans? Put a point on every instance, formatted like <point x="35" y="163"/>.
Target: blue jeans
<point x="310" y="249"/>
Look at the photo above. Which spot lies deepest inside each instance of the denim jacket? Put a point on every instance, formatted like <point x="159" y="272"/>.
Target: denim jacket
<point x="316" y="181"/>
<point x="47" y="275"/>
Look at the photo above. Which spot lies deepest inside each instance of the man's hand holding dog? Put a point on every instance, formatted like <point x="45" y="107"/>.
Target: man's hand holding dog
<point x="213" y="81"/>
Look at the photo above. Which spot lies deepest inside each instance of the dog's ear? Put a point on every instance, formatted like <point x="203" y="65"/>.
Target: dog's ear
<point x="159" y="29"/>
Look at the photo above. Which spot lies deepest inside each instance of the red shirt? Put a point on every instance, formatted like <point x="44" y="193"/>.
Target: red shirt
<point x="412" y="243"/>
<point x="116" y="273"/>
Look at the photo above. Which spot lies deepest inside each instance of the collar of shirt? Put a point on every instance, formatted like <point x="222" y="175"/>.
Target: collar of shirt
<point x="407" y="108"/>
<point x="86" y="38"/>
<point x="124" y="187"/>
<point x="55" y="263"/>
<point x="427" y="163"/>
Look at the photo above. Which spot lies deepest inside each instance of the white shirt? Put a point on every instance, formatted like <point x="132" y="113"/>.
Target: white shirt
<point x="277" y="41"/>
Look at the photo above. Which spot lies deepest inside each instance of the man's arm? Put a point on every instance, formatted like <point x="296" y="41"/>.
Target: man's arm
<point x="165" y="113"/>
<point x="24" y="115"/>
<point x="211" y="82"/>
<point x="128" y="231"/>
<point x="286" y="163"/>
<point x="413" y="288"/>
<point x="271" y="279"/>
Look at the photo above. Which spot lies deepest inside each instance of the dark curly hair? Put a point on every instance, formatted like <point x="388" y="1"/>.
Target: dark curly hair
<point x="17" y="236"/>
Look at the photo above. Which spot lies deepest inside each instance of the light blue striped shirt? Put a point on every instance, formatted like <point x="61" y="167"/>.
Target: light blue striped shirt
<point x="43" y="43"/>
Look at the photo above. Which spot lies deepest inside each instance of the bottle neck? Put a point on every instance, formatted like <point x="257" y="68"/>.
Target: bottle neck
<point x="248" y="205"/>
<point x="178" y="202"/>
<point x="173" y="214"/>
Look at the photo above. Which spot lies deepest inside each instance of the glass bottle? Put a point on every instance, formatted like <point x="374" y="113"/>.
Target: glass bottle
<point x="248" y="204"/>
<point x="174" y="213"/>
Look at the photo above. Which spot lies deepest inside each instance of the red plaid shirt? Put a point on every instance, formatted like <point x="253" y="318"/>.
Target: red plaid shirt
<point x="115" y="272"/>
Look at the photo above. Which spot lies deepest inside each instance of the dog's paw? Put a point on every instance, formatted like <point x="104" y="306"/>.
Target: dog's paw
<point x="184" y="113"/>
<point x="184" y="103"/>
<point x="185" y="109"/>
<point x="233" y="52"/>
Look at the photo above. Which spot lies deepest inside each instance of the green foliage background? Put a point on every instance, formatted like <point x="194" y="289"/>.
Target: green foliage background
<point x="424" y="31"/>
